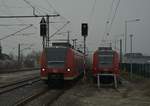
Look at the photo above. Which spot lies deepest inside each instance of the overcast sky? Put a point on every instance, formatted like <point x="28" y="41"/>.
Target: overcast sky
<point x="94" y="12"/>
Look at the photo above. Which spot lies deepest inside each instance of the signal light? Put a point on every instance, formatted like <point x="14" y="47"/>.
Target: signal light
<point x="43" y="26"/>
<point x="84" y="29"/>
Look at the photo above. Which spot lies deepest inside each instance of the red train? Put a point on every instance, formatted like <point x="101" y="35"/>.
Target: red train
<point x="61" y="63"/>
<point x="106" y="62"/>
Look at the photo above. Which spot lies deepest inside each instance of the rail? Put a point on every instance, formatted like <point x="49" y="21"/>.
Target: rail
<point x="17" y="70"/>
<point x="18" y="84"/>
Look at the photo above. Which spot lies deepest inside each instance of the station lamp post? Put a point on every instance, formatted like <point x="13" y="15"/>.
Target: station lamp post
<point x="131" y="71"/>
<point x="128" y="21"/>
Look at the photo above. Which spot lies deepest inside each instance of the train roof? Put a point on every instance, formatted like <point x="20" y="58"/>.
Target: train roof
<point x="61" y="44"/>
<point x="60" y="47"/>
<point x="105" y="48"/>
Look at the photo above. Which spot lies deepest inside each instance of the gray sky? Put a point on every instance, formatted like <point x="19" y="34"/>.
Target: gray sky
<point x="78" y="11"/>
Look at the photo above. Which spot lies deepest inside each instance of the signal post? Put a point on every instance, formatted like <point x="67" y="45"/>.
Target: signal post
<point x="84" y="33"/>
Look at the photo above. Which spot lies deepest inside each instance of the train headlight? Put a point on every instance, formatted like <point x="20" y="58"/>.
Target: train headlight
<point x="43" y="69"/>
<point x="68" y="69"/>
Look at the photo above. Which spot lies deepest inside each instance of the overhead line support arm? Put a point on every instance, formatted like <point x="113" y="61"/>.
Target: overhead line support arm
<point x="29" y="16"/>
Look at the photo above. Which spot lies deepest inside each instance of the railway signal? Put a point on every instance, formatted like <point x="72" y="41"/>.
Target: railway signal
<point x="84" y="29"/>
<point x="46" y="36"/>
<point x="84" y="32"/>
<point x="43" y="27"/>
<point x="43" y="30"/>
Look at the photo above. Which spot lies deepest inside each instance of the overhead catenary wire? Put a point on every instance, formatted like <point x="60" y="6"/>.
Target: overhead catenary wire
<point x="59" y="29"/>
<point x="110" y="21"/>
<point x="7" y="25"/>
<point x="50" y="5"/>
<point x="10" y="12"/>
<point x="55" y="11"/>
<point x="37" y="8"/>
<point x="22" y="23"/>
<point x="65" y="20"/>
<point x="114" y="16"/>
<point x="63" y="23"/>
<point x="108" y="17"/>
<point x="91" y="14"/>
<point x="92" y="10"/>
<point x="14" y="7"/>
<point x="107" y="22"/>
<point x="15" y="32"/>
<point x="8" y="8"/>
<point x="27" y="2"/>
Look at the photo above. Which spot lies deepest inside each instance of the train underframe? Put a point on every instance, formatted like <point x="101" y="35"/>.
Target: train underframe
<point x="58" y="79"/>
<point x="107" y="78"/>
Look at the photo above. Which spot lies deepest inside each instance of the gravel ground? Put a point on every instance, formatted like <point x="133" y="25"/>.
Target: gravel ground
<point x="45" y="98"/>
<point x="12" y="97"/>
<point x="89" y="95"/>
<point x="83" y="94"/>
<point x="12" y="77"/>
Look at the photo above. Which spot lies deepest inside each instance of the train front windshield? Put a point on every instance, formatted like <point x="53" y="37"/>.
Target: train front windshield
<point x="56" y="57"/>
<point x="105" y="59"/>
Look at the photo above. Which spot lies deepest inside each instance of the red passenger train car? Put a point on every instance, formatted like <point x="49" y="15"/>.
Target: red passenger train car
<point x="61" y="63"/>
<point x="106" y="61"/>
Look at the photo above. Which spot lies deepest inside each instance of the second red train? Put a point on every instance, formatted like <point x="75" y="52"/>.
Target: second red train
<point x="106" y="62"/>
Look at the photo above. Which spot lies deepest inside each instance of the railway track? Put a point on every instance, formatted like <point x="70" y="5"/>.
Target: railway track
<point x="14" y="85"/>
<point x="17" y="70"/>
<point x="25" y="100"/>
<point x="26" y="91"/>
<point x="53" y="95"/>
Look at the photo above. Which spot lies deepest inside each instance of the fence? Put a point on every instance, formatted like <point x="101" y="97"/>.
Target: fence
<point x="142" y="70"/>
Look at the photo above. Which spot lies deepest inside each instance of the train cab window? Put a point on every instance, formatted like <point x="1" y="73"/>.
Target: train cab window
<point x="105" y="60"/>
<point x="56" y="63"/>
<point x="56" y="56"/>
